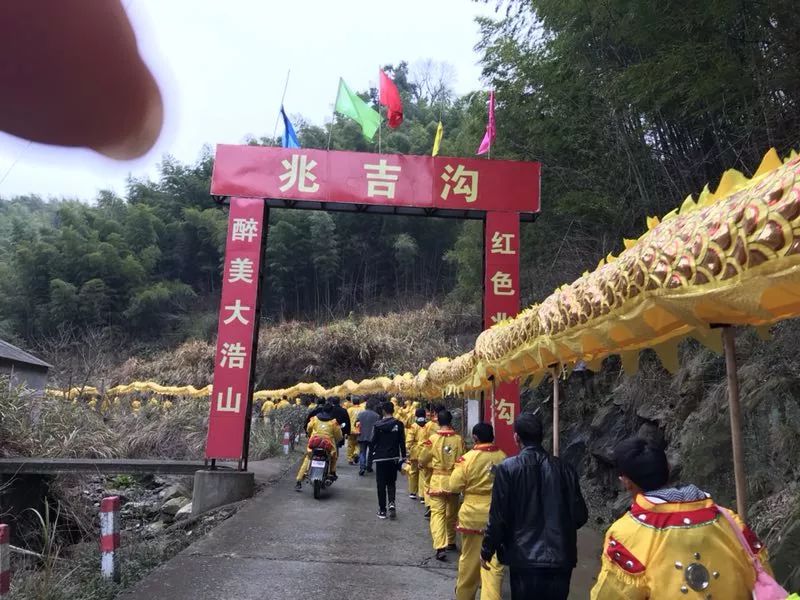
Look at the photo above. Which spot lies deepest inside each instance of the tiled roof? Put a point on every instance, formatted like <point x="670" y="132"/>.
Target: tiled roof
<point x="12" y="353"/>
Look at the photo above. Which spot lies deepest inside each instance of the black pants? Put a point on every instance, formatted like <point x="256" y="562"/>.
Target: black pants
<point x="542" y="584"/>
<point x="386" y="476"/>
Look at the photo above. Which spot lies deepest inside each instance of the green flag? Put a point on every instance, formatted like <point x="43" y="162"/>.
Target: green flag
<point x="350" y="105"/>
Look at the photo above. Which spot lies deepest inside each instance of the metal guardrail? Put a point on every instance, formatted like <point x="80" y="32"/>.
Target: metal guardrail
<point x="111" y="466"/>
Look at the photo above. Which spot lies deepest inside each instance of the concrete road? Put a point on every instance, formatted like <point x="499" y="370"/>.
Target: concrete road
<point x="288" y="546"/>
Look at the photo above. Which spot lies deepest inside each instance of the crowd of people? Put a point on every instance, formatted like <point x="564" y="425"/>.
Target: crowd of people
<point x="523" y="512"/>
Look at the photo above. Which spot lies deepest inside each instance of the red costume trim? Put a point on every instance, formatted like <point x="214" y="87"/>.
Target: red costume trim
<point x="486" y="447"/>
<point x="446" y="432"/>
<point x="461" y="529"/>
<point x="427" y="443"/>
<point x="460" y="460"/>
<point x="622" y="557"/>
<point x="680" y="518"/>
<point x="755" y="544"/>
<point x="440" y="493"/>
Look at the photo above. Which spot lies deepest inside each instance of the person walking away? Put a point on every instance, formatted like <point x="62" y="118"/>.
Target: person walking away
<point x="388" y="448"/>
<point x="412" y="447"/>
<point x="366" y="420"/>
<point x="430" y="428"/>
<point x="323" y="432"/>
<point x="314" y="411"/>
<point x="536" y="511"/>
<point x="674" y="542"/>
<point x="341" y="416"/>
<point x="355" y="429"/>
<point x="473" y="476"/>
<point x="440" y="454"/>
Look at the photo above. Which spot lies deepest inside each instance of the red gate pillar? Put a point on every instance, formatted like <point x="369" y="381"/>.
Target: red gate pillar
<point x="234" y="361"/>
<point x="500" y="302"/>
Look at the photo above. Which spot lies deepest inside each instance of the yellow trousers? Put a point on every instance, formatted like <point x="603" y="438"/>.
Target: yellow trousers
<point x="413" y="478"/>
<point x="444" y="513"/>
<point x="471" y="575"/>
<point x="301" y="474"/>
<point x="352" y="448"/>
<point x="424" y="480"/>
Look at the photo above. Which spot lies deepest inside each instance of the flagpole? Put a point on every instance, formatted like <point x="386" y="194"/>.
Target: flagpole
<point x="333" y="114"/>
<point x="379" y="109"/>
<point x="283" y="97"/>
<point x="491" y="107"/>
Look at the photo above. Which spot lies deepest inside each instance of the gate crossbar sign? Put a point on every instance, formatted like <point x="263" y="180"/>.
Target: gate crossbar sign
<point x="255" y="178"/>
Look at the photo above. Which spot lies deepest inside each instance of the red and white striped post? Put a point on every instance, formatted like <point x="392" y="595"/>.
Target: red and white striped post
<point x="287" y="439"/>
<point x="109" y="537"/>
<point x="5" y="560"/>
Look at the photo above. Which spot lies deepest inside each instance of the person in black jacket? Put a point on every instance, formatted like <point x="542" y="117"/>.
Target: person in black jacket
<point x="320" y="406"/>
<point x="537" y="509"/>
<point x="340" y="414"/>
<point x="388" y="447"/>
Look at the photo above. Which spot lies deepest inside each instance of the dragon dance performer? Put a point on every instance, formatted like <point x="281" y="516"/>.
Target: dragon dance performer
<point x="323" y="431"/>
<point x="674" y="542"/>
<point x="427" y="431"/>
<point x="440" y="454"/>
<point x="355" y="431"/>
<point x="411" y="467"/>
<point x="473" y="476"/>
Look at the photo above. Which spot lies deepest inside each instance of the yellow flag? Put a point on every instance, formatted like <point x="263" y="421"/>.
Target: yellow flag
<point x="438" y="139"/>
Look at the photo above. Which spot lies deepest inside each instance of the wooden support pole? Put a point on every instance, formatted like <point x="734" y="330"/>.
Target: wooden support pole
<point x="491" y="404"/>
<point x="734" y="406"/>
<point x="556" y="415"/>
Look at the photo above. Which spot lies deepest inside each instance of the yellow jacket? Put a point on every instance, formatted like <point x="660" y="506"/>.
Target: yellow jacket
<point x="473" y="475"/>
<point x="650" y="552"/>
<point x="412" y="441"/>
<point x="440" y="454"/>
<point x="327" y="428"/>
<point x="353" y="411"/>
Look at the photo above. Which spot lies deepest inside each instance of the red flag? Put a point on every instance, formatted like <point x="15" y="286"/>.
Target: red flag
<point x="390" y="98"/>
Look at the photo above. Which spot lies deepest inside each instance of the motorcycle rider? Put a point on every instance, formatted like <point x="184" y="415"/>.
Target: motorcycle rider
<point x="323" y="432"/>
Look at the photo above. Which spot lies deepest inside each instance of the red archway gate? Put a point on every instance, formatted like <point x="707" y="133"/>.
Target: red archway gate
<point x="255" y="178"/>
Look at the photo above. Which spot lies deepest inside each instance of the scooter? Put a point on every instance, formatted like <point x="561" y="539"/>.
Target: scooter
<point x="319" y="474"/>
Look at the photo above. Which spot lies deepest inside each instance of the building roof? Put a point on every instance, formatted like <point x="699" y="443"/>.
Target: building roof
<point x="14" y="354"/>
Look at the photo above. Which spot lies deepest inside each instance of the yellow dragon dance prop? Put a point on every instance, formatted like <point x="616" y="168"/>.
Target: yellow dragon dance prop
<point x="730" y="258"/>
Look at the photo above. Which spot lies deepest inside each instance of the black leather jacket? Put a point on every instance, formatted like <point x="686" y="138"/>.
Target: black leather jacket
<point x="537" y="509"/>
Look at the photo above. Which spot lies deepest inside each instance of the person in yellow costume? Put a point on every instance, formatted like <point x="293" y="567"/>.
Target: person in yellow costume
<point x="412" y="448"/>
<point x="283" y="403"/>
<point x="674" y="542"/>
<point x="440" y="454"/>
<point x="267" y="407"/>
<point x="411" y="415"/>
<point x="355" y="431"/>
<point x="473" y="476"/>
<point x="323" y="431"/>
<point x="425" y="434"/>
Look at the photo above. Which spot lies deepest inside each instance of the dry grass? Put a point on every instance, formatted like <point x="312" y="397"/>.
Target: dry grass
<point x="351" y="348"/>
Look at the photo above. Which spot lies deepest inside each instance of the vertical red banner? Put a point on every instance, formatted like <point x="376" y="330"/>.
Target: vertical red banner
<point x="238" y="325"/>
<point x="500" y="302"/>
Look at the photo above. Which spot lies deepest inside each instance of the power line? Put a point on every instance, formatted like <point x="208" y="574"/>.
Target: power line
<point x="16" y="160"/>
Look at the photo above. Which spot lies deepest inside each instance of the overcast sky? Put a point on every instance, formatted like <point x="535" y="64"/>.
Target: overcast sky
<point x="222" y="66"/>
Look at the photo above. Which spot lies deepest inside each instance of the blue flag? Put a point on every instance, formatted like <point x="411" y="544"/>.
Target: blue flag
<point x="289" y="138"/>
